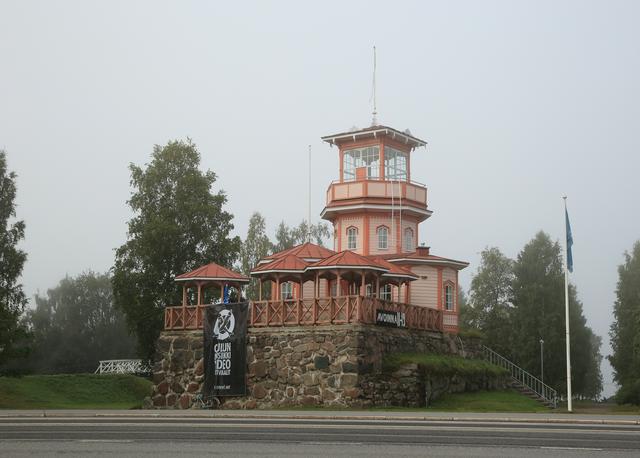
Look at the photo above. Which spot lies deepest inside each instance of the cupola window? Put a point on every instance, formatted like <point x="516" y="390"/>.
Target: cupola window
<point x="395" y="164"/>
<point x="352" y="238"/>
<point x="408" y="239"/>
<point x="383" y="237"/>
<point x="368" y="157"/>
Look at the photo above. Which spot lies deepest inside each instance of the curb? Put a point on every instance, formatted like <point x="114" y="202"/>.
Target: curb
<point x="252" y="416"/>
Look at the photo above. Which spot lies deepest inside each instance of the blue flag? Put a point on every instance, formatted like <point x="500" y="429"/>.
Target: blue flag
<point x="226" y="294"/>
<point x="569" y="242"/>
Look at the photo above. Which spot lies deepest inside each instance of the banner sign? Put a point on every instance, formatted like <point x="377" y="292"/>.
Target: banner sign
<point x="225" y="349"/>
<point x="390" y="318"/>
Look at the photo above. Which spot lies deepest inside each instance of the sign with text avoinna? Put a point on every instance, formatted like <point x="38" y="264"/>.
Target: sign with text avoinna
<point x="391" y="318"/>
<point x="225" y="349"/>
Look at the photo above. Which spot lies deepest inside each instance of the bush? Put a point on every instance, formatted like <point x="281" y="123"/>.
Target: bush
<point x="443" y="365"/>
<point x="629" y="393"/>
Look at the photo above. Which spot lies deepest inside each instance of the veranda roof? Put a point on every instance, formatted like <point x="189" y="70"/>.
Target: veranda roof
<point x="347" y="260"/>
<point x="289" y="263"/>
<point x="395" y="271"/>
<point x="213" y="272"/>
<point x="305" y="251"/>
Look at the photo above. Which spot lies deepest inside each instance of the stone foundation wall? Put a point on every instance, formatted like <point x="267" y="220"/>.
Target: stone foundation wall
<point x="321" y="365"/>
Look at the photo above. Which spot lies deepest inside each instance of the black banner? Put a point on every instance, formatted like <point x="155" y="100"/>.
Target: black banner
<point x="225" y="349"/>
<point x="391" y="318"/>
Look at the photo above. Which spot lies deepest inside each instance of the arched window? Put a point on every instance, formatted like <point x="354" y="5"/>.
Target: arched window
<point x="383" y="237"/>
<point x="448" y="297"/>
<point x="352" y="238"/>
<point x="408" y="240"/>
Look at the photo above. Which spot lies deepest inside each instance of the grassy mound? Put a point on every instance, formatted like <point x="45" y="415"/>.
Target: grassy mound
<point x="77" y="391"/>
<point x="487" y="401"/>
<point x="443" y="365"/>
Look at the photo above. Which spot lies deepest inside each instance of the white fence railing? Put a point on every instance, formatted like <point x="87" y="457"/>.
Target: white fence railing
<point x="122" y="366"/>
<point x="542" y="390"/>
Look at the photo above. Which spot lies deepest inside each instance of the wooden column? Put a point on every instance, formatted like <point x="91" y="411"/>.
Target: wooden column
<point x="316" y="290"/>
<point x="338" y="285"/>
<point x="222" y="292"/>
<point x="301" y="292"/>
<point x="278" y="287"/>
<point x="378" y="285"/>
<point x="260" y="289"/>
<point x="184" y="294"/>
<point x="363" y="287"/>
<point x="199" y="302"/>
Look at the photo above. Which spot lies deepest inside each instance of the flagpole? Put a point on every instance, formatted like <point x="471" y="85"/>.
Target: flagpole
<point x="566" y="306"/>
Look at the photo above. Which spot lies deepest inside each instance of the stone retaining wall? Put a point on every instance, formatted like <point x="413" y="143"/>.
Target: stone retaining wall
<point x="292" y="366"/>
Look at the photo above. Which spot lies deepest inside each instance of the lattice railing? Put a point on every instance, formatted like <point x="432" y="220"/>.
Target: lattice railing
<point x="123" y="366"/>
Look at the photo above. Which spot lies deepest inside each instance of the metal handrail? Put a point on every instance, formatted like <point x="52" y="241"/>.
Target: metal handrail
<point x="122" y="366"/>
<point x="541" y="389"/>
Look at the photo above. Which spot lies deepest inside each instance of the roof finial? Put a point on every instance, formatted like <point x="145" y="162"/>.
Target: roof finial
<point x="374" y="121"/>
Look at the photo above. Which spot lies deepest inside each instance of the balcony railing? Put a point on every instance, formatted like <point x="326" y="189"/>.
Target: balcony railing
<point x="310" y="312"/>
<point x="376" y="188"/>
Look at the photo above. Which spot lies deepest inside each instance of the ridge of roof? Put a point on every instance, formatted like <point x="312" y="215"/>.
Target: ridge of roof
<point x="212" y="271"/>
<point x="289" y="262"/>
<point x="304" y="250"/>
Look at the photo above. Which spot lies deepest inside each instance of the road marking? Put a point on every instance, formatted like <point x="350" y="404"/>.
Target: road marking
<point x="116" y="441"/>
<point x="590" y="449"/>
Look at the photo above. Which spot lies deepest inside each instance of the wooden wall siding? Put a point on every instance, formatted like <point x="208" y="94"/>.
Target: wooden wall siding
<point x="345" y="223"/>
<point x="424" y="291"/>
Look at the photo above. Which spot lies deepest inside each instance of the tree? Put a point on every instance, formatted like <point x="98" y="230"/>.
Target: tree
<point x="255" y="247"/>
<point x="76" y="325"/>
<point x="12" y="298"/>
<point x="538" y="299"/>
<point x="625" y="330"/>
<point x="287" y="237"/>
<point x="179" y="224"/>
<point x="490" y="300"/>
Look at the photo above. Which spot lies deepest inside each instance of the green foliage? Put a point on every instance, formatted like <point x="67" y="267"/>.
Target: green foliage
<point x="287" y="237"/>
<point x="490" y="300"/>
<point x="13" y="335"/>
<point x="80" y="391"/>
<point x="487" y="401"/>
<point x="255" y="247"/>
<point x="179" y="224"/>
<point x="539" y="313"/>
<point x="442" y="365"/>
<point x="76" y="325"/>
<point x="625" y="330"/>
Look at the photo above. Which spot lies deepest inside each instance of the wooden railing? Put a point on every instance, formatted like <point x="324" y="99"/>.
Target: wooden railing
<point x="308" y="312"/>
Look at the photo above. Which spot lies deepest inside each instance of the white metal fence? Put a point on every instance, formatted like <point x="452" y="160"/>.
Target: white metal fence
<point x="123" y="366"/>
<point x="524" y="378"/>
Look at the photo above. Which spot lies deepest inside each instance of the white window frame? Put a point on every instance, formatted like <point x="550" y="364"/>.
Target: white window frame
<point x="386" y="292"/>
<point x="368" y="157"/>
<point x="381" y="239"/>
<point x="396" y="164"/>
<point x="409" y="244"/>
<point x="449" y="304"/>
<point x="352" y="238"/>
<point x="286" y="291"/>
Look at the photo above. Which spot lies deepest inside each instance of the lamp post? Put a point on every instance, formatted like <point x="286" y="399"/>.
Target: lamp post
<point x="542" y="360"/>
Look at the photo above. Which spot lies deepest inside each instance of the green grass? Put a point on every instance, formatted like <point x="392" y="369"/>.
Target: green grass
<point x="487" y="401"/>
<point x="442" y="365"/>
<point x="78" y="391"/>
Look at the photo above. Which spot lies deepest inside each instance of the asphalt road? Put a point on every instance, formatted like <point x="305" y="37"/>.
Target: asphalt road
<point x="323" y="437"/>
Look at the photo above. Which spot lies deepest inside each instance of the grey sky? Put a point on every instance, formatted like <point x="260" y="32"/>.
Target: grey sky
<point x="521" y="102"/>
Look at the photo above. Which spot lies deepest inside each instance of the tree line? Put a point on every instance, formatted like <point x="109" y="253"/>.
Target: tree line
<point x="519" y="307"/>
<point x="179" y="223"/>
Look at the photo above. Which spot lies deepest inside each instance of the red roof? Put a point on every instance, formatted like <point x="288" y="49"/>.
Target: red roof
<point x="288" y="263"/>
<point x="213" y="272"/>
<point x="305" y="251"/>
<point x="395" y="270"/>
<point x="422" y="258"/>
<point x="347" y="259"/>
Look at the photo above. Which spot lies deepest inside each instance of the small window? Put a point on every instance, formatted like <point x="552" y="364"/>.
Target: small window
<point x="448" y="297"/>
<point x="385" y="293"/>
<point x="286" y="291"/>
<point x="352" y="238"/>
<point x="383" y="238"/>
<point x="408" y="240"/>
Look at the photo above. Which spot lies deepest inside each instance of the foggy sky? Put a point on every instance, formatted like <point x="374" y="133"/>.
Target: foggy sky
<point x="521" y="103"/>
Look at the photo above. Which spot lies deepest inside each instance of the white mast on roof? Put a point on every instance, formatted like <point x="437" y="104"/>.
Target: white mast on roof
<point x="374" y="121"/>
<point x="309" y="202"/>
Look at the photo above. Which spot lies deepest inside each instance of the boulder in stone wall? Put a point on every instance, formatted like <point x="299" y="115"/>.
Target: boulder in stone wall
<point x="199" y="370"/>
<point x="159" y="401"/>
<point x="197" y="343"/>
<point x="258" y="369"/>
<point x="171" y="400"/>
<point x="158" y="377"/>
<point x="352" y="392"/>
<point x="309" y="401"/>
<point x="348" y="380"/>
<point x="310" y="379"/>
<point x="259" y="391"/>
<point x="185" y="401"/>
<point x="177" y="387"/>
<point x="181" y="343"/>
<point x="162" y="387"/>
<point x="163" y="344"/>
<point x="193" y="387"/>
<point x="290" y="392"/>
<point x="311" y="390"/>
<point x="251" y="404"/>
<point x="321" y="362"/>
<point x="181" y="360"/>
